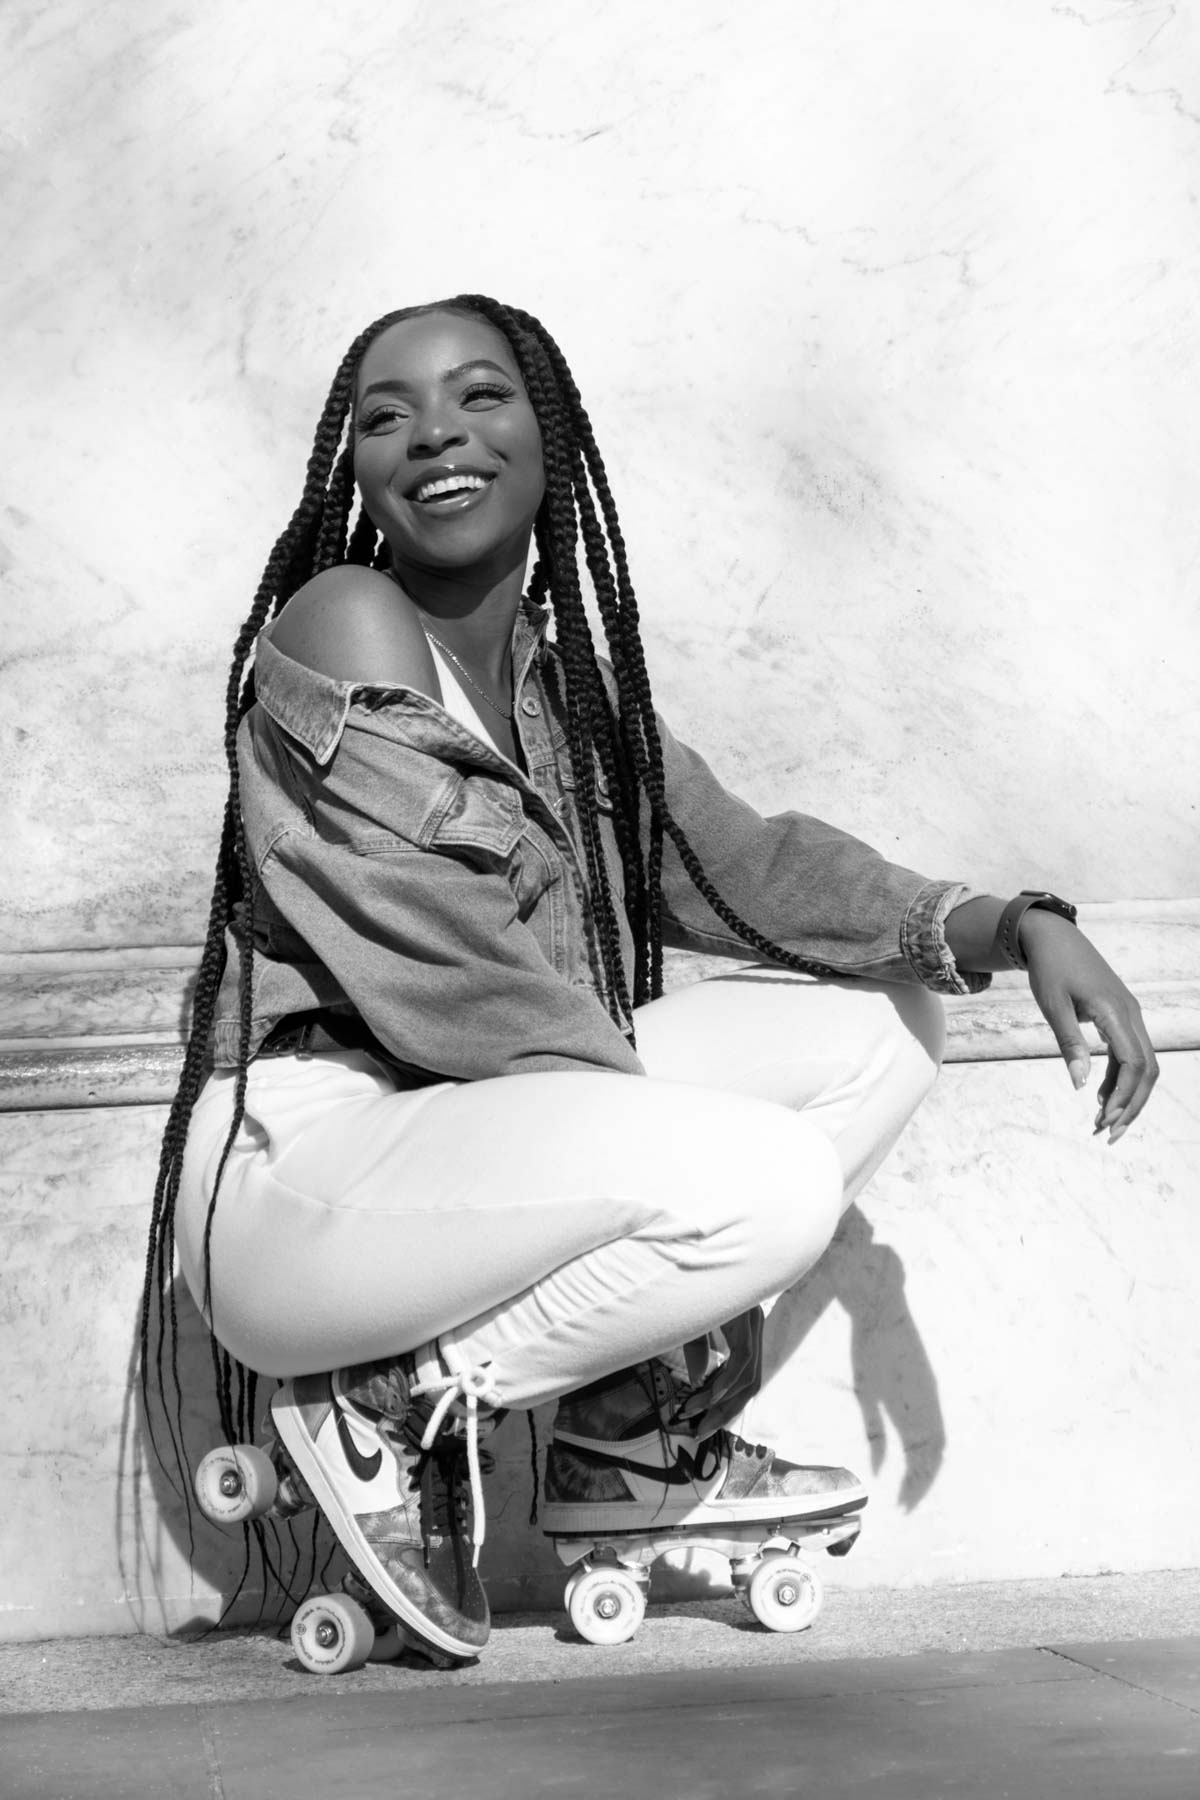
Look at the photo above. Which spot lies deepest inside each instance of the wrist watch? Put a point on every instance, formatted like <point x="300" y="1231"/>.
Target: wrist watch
<point x="1007" y="941"/>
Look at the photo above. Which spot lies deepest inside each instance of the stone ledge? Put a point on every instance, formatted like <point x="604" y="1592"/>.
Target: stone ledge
<point x="86" y="1028"/>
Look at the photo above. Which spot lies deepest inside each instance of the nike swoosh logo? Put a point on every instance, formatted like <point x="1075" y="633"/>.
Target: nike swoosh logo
<point x="366" y="1468"/>
<point x="684" y="1469"/>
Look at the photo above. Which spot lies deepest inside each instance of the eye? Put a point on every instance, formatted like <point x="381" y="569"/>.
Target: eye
<point x="489" y="393"/>
<point x="380" y="418"/>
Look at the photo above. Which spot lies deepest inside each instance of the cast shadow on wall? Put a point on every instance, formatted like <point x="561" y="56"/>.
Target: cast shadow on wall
<point x="892" y="1377"/>
<point x="167" y="1550"/>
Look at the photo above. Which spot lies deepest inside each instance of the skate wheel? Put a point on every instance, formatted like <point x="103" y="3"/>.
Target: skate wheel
<point x="234" y="1483"/>
<point x="573" y="1580"/>
<point x="606" y="1605"/>
<point x="332" y="1633"/>
<point x="783" y="1593"/>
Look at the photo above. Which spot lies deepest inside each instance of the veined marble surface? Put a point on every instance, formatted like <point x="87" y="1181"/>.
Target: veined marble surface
<point x="884" y="318"/>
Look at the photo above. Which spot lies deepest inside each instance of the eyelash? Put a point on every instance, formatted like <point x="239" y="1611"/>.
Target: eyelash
<point x="480" y="389"/>
<point x="497" y="389"/>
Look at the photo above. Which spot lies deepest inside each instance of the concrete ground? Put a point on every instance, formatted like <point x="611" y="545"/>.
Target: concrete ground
<point x="1035" y="1690"/>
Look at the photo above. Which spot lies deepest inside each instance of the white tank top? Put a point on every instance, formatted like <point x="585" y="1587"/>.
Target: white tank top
<point x="455" y="701"/>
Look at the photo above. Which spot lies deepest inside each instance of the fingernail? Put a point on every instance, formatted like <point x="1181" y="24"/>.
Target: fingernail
<point x="1079" y="1075"/>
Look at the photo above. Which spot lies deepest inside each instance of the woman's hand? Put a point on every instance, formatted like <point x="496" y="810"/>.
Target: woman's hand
<point x="1071" y="981"/>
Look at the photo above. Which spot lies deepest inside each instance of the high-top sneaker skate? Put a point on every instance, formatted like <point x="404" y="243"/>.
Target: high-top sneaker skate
<point x="617" y="1464"/>
<point x="398" y="1478"/>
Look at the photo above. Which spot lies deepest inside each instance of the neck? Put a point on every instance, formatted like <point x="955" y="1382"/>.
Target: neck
<point x="471" y="611"/>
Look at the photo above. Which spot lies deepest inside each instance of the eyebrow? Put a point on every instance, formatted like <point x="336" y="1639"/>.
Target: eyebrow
<point x="405" y="387"/>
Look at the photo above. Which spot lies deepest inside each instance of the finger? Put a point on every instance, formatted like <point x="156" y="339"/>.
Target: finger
<point x="1124" y="1120"/>
<point x="1111" y="1071"/>
<point x="1059" y="1014"/>
<point x="1131" y="1051"/>
<point x="1137" y="1072"/>
<point x="1104" y="1092"/>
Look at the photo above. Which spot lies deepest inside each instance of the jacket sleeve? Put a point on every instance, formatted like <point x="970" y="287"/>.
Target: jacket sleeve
<point x="434" y="956"/>
<point x="808" y="887"/>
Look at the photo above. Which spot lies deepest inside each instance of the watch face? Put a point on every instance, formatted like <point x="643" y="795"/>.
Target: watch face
<point x="1050" y="903"/>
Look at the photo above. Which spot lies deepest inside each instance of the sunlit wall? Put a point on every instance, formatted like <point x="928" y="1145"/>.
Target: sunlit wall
<point x="883" y="316"/>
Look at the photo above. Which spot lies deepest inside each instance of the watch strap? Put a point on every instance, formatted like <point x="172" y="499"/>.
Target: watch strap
<point x="1007" y="941"/>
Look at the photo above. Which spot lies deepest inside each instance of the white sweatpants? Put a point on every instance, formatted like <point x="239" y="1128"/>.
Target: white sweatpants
<point x="555" y="1227"/>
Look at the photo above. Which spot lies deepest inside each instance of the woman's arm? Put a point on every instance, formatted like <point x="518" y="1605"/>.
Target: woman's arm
<point x="1070" y="981"/>
<point x="814" y="890"/>
<point x="825" y="895"/>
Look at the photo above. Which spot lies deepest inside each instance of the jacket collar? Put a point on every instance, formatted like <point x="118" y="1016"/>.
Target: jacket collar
<point x="312" y="707"/>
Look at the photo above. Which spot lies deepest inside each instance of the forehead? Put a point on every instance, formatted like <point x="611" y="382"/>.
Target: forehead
<point x="425" y="348"/>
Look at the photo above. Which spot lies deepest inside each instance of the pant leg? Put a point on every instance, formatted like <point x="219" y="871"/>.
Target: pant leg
<point x="856" y="1057"/>
<point x="556" y="1227"/>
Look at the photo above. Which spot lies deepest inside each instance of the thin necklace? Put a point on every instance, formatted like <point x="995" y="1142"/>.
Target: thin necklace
<point x="457" y="661"/>
<point x="505" y="713"/>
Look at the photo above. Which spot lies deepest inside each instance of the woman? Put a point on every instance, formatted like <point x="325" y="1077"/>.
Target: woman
<point x="457" y="1153"/>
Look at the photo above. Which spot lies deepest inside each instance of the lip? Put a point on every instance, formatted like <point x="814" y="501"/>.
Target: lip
<point x="444" y="472"/>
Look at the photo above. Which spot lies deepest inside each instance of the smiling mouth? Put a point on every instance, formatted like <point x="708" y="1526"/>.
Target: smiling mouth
<point x="450" y="487"/>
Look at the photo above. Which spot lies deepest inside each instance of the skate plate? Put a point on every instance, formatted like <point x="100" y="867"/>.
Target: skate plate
<point x="606" y="1592"/>
<point x="331" y="1633"/>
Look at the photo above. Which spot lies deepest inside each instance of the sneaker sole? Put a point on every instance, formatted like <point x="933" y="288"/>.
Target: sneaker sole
<point x="560" y="1520"/>
<point x="344" y="1525"/>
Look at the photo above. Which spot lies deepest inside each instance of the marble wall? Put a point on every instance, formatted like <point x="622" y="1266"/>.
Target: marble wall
<point x="883" y="316"/>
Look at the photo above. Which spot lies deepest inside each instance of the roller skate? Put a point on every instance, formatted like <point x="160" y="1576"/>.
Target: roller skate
<point x="397" y="1479"/>
<point x="625" y="1485"/>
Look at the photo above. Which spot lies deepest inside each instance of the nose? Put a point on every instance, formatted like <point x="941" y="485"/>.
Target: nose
<point x="434" y="430"/>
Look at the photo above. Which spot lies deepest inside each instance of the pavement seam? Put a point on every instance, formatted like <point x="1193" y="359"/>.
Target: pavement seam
<point x="208" y="1737"/>
<point x="1076" y="1662"/>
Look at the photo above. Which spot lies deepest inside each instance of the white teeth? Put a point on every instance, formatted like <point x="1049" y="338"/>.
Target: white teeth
<point x="450" y="484"/>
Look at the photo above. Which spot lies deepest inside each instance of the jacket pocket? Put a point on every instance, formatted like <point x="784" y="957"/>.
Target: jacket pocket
<point x="481" y="817"/>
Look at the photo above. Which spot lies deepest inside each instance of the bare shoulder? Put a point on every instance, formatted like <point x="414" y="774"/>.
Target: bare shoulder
<point x="353" y="624"/>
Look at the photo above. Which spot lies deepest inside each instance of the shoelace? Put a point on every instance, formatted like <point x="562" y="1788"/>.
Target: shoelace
<point x="445" y="1498"/>
<point x="469" y="1386"/>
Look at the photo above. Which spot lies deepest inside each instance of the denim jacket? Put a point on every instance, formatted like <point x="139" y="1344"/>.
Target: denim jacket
<point x="410" y="874"/>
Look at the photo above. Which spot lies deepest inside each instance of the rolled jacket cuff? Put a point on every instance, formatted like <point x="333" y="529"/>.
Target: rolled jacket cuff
<point x="923" y="939"/>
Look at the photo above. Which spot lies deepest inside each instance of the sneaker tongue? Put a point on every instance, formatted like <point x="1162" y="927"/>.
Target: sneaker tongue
<point x="379" y="1388"/>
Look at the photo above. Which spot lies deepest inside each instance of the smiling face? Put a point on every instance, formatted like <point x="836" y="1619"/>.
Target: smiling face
<point x="447" y="451"/>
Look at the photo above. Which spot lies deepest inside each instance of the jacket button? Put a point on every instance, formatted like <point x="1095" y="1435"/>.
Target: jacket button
<point x="530" y="708"/>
